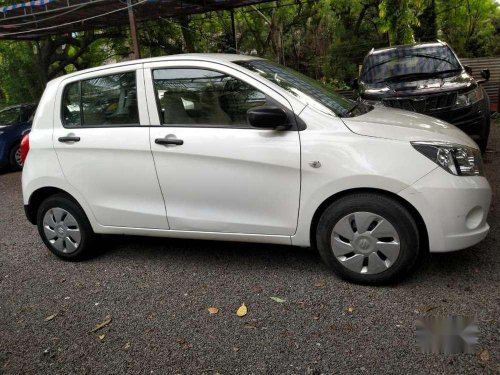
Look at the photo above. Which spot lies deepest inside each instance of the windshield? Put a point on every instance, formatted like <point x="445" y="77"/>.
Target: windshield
<point x="10" y="116"/>
<point x="306" y="89"/>
<point x="409" y="62"/>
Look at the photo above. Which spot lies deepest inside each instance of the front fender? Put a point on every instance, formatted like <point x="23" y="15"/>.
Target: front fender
<point x="311" y="203"/>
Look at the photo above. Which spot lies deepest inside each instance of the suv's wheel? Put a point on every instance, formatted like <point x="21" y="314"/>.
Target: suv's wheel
<point x="368" y="238"/>
<point x="16" y="164"/>
<point x="64" y="228"/>
<point x="482" y="142"/>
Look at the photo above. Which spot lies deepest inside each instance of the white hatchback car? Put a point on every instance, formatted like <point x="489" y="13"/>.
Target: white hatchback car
<point x="231" y="147"/>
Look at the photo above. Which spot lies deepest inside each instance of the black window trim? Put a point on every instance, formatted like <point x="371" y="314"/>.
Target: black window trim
<point x="291" y="115"/>
<point x="66" y="85"/>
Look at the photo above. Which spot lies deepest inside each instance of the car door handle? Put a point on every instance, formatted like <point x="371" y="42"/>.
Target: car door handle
<point x="169" y="141"/>
<point x="69" y="139"/>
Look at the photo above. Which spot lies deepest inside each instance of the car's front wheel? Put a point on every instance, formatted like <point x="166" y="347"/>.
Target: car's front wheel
<point x="368" y="238"/>
<point x="482" y="142"/>
<point x="64" y="228"/>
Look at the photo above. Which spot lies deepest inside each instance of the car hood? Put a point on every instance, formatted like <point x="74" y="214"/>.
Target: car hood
<point x="5" y="127"/>
<point x="390" y="123"/>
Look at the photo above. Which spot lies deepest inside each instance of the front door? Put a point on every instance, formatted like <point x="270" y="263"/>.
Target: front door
<point x="102" y="142"/>
<point x="218" y="174"/>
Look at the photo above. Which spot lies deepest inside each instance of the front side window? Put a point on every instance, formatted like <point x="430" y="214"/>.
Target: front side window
<point x="27" y="114"/>
<point x="200" y="97"/>
<point x="103" y="101"/>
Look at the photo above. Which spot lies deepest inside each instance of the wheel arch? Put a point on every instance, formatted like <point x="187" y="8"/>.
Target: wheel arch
<point x="38" y="196"/>
<point x="422" y="228"/>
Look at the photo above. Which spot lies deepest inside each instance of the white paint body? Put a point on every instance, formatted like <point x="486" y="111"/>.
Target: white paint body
<point x="247" y="184"/>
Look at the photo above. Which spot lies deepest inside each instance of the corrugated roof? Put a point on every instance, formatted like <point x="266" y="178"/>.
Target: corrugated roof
<point x="37" y="18"/>
<point x="492" y="87"/>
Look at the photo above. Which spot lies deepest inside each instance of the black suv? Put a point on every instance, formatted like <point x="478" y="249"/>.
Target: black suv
<point x="427" y="78"/>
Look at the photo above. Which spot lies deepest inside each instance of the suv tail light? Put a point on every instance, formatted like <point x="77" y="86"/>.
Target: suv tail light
<point x="25" y="147"/>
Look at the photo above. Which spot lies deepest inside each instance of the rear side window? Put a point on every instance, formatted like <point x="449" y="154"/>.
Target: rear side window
<point x="102" y="101"/>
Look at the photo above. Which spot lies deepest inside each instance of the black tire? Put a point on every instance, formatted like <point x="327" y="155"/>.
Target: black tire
<point x="482" y="142"/>
<point x="385" y="207"/>
<point x="85" y="248"/>
<point x="14" y="165"/>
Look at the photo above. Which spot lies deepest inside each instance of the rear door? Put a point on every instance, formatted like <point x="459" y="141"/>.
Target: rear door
<point x="102" y="142"/>
<point x="217" y="173"/>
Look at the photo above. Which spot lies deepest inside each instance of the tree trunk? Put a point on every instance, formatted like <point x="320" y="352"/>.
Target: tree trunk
<point x="427" y="30"/>
<point x="187" y="34"/>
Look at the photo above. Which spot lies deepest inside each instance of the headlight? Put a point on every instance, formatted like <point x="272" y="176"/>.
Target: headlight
<point x="455" y="159"/>
<point x="469" y="98"/>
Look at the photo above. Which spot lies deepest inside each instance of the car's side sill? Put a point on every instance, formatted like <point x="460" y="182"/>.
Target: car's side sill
<point x="217" y="236"/>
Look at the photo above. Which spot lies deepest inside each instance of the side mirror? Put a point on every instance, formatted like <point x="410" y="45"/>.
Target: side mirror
<point x="485" y="73"/>
<point x="355" y="84"/>
<point x="268" y="118"/>
<point x="468" y="69"/>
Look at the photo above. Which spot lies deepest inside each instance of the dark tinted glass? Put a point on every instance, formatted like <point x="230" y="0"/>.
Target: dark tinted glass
<point x="27" y="113"/>
<point x="402" y="61"/>
<point x="10" y="116"/>
<point x="200" y="97"/>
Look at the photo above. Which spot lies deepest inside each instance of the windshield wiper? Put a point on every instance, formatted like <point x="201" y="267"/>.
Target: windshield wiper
<point x="436" y="57"/>
<point x="418" y="75"/>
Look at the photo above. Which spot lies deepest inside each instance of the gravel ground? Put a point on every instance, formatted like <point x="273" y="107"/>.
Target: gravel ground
<point x="157" y="292"/>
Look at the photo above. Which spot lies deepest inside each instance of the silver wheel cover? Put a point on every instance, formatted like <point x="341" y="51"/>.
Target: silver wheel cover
<point x="365" y="243"/>
<point x="17" y="156"/>
<point x="61" y="230"/>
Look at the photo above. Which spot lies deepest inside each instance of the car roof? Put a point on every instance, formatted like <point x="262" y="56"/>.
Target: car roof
<point x="407" y="46"/>
<point x="210" y="57"/>
<point x="24" y="105"/>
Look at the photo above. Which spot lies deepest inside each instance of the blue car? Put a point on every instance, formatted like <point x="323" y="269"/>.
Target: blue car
<point x="15" y="122"/>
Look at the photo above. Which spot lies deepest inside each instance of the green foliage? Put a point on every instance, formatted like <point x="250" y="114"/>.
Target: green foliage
<point x="427" y="29"/>
<point x="19" y="80"/>
<point x="469" y="26"/>
<point x="398" y="18"/>
<point x="325" y="39"/>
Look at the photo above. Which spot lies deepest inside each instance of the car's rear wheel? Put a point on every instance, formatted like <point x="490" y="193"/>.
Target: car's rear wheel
<point x="64" y="228"/>
<point x="16" y="163"/>
<point x="368" y="238"/>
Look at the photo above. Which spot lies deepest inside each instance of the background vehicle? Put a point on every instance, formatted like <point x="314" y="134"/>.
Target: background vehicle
<point x="427" y="78"/>
<point x="233" y="147"/>
<point x="15" y="121"/>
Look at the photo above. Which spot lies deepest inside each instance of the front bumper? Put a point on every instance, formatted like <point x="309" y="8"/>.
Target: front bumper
<point x="472" y="120"/>
<point x="454" y="209"/>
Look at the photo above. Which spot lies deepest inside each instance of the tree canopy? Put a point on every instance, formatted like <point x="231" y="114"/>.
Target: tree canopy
<point x="325" y="39"/>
